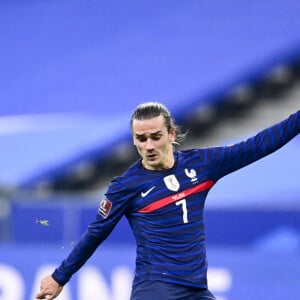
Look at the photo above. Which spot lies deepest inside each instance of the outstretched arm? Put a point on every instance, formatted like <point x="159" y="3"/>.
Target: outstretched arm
<point x="97" y="232"/>
<point x="52" y="285"/>
<point x="234" y="157"/>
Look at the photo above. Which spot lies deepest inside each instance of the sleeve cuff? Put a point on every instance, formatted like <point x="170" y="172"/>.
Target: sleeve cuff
<point x="59" y="278"/>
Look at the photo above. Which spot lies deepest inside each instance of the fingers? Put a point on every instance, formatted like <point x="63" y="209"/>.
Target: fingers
<point x="49" y="290"/>
<point x="45" y="295"/>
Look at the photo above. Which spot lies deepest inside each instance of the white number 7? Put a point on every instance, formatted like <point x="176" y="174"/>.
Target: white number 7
<point x="184" y="210"/>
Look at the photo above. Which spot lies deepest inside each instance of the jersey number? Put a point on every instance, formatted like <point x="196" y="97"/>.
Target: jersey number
<point x="184" y="210"/>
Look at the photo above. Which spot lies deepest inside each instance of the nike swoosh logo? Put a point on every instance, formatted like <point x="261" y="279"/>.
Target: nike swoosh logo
<point x="144" y="194"/>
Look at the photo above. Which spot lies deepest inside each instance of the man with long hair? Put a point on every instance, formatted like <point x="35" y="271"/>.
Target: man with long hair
<point x="163" y="196"/>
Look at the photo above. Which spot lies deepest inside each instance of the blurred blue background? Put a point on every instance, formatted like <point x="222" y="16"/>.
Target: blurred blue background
<point x="72" y="72"/>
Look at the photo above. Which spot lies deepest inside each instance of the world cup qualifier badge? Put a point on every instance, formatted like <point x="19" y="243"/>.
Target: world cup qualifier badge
<point x="104" y="208"/>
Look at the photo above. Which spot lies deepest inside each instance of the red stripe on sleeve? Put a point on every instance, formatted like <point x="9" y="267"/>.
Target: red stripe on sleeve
<point x="173" y="198"/>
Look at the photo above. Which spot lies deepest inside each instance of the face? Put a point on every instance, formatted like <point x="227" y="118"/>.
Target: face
<point x="154" y="143"/>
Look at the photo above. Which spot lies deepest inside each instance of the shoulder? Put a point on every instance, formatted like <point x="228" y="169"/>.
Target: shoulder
<point x="194" y="153"/>
<point x="197" y="155"/>
<point x="130" y="180"/>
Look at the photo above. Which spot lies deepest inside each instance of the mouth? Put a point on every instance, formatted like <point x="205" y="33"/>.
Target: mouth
<point x="151" y="157"/>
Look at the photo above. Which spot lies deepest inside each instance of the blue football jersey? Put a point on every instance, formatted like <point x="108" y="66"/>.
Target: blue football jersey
<point x="165" y="209"/>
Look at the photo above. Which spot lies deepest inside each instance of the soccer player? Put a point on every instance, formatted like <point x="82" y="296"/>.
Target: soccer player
<point x="163" y="196"/>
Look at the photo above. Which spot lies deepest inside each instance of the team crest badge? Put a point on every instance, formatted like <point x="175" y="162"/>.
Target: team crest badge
<point x="172" y="183"/>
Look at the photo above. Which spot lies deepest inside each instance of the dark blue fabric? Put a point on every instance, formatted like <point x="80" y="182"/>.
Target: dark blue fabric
<point x="170" y="247"/>
<point x="158" y="290"/>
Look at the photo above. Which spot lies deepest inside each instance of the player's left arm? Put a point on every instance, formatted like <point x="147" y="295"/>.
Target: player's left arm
<point x="267" y="141"/>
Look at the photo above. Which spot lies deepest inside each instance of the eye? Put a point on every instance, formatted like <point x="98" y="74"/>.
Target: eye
<point x="156" y="137"/>
<point x="141" y="138"/>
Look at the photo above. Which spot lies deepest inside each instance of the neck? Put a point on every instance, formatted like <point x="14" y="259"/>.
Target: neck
<point x="163" y="166"/>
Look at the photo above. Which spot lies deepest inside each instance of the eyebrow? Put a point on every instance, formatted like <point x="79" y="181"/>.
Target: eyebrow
<point x="151" y="134"/>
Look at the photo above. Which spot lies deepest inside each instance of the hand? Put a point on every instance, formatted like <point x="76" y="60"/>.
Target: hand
<point x="50" y="289"/>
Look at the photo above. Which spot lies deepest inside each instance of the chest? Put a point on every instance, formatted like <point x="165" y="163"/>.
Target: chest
<point x="186" y="185"/>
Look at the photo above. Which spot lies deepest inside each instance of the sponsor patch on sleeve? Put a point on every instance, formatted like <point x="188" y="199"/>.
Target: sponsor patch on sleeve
<point x="104" y="208"/>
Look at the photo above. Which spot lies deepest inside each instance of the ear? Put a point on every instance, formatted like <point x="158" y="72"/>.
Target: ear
<point x="172" y="135"/>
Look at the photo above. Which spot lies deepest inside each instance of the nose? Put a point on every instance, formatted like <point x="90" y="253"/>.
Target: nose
<point x="149" y="145"/>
